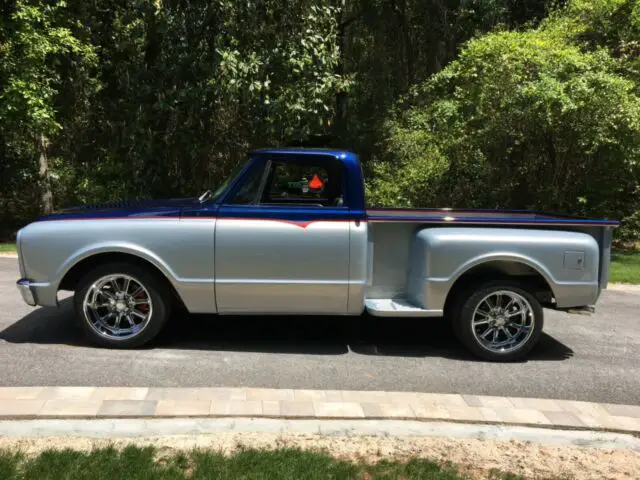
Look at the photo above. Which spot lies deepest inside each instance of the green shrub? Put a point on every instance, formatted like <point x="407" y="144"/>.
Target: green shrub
<point x="529" y="119"/>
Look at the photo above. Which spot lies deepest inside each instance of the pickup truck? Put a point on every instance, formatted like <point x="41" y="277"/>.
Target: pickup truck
<point x="289" y="233"/>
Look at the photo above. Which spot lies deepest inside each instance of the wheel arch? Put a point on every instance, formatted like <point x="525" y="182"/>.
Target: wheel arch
<point x="76" y="268"/>
<point x="512" y="267"/>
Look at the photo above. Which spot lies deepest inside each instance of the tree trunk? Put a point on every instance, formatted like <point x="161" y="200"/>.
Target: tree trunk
<point x="45" y="180"/>
<point x="407" y="49"/>
<point x="340" y="123"/>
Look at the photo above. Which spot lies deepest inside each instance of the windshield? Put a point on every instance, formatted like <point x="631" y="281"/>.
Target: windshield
<point x="234" y="173"/>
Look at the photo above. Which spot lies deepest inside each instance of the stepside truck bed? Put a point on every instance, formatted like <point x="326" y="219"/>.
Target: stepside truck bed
<point x="394" y="254"/>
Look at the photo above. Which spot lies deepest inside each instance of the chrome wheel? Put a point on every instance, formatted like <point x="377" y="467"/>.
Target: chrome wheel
<point x="503" y="321"/>
<point x="117" y="306"/>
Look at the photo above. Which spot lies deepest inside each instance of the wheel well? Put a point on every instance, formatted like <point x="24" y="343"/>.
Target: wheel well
<point x="502" y="269"/>
<point x="73" y="276"/>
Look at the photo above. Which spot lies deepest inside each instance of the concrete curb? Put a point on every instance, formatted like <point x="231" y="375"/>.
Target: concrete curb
<point x="146" y="429"/>
<point x="8" y="255"/>
<point x="110" y="402"/>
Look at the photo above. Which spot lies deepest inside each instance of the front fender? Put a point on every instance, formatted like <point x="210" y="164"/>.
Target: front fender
<point x="183" y="251"/>
<point x="128" y="248"/>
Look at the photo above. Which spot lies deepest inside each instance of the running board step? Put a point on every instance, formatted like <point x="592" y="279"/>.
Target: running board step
<point x="397" y="307"/>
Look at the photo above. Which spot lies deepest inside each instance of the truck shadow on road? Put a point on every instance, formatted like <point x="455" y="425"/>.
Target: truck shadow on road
<point x="311" y="335"/>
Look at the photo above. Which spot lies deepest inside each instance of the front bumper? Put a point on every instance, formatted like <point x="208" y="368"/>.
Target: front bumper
<point x="27" y="292"/>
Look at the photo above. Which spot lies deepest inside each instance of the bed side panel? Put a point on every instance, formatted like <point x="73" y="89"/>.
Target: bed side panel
<point x="569" y="261"/>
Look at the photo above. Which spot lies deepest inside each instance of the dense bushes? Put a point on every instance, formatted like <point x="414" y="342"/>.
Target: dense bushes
<point x="143" y="98"/>
<point x="122" y="99"/>
<point x="543" y="119"/>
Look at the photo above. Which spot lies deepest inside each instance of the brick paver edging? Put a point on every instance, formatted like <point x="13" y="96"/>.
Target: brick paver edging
<point x="111" y="402"/>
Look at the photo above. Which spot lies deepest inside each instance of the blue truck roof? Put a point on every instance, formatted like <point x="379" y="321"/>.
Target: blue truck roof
<point x="305" y="151"/>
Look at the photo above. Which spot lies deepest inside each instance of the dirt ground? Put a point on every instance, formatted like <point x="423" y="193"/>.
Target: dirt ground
<point x="475" y="458"/>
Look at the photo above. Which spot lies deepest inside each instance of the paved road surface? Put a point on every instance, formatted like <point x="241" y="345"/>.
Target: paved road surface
<point x="593" y="358"/>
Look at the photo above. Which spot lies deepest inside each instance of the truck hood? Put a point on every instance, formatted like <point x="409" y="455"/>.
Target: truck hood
<point x="124" y="209"/>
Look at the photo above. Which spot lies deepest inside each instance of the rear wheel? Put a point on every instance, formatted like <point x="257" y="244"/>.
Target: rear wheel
<point x="120" y="305"/>
<point x="499" y="320"/>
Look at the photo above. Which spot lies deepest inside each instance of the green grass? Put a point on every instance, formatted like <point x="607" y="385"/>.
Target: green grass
<point x="135" y="463"/>
<point x="625" y="267"/>
<point x="7" y="248"/>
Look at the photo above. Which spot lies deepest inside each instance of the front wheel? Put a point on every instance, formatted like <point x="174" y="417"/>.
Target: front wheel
<point x="120" y="305"/>
<point x="499" y="321"/>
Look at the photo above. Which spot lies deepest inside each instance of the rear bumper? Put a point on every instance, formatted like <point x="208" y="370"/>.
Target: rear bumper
<point x="28" y="293"/>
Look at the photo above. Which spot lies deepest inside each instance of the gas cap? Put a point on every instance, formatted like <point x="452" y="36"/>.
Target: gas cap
<point x="574" y="260"/>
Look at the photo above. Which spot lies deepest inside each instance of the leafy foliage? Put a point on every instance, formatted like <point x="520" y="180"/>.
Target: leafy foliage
<point x="532" y="119"/>
<point x="493" y="103"/>
<point x="33" y="41"/>
<point x="149" y="98"/>
<point x="187" y="88"/>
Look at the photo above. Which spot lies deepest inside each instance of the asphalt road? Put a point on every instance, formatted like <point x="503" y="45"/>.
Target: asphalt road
<point x="592" y="358"/>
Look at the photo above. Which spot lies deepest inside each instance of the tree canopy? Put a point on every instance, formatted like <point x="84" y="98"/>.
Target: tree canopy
<point x="475" y="103"/>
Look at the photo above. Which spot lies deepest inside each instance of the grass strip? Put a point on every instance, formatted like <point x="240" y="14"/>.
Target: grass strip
<point x="625" y="267"/>
<point x="7" y="248"/>
<point x="144" y="463"/>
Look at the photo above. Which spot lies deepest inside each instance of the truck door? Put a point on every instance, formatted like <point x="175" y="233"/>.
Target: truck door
<point x="282" y="239"/>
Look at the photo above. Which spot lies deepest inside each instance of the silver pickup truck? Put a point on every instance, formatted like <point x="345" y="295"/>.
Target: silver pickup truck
<point x="289" y="233"/>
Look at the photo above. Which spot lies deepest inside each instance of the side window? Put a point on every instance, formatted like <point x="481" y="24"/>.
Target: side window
<point x="250" y="188"/>
<point x="304" y="184"/>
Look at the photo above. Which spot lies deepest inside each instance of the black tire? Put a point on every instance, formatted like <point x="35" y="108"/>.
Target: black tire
<point x="462" y="320"/>
<point x="158" y="290"/>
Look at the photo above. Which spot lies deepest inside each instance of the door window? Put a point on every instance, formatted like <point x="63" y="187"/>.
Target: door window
<point x="304" y="184"/>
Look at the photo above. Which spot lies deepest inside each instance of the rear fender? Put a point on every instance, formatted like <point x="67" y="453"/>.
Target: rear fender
<point x="440" y="257"/>
<point x="504" y="257"/>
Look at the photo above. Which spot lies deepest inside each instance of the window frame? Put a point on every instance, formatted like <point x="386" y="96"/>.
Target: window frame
<point x="266" y="165"/>
<point x="257" y="164"/>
